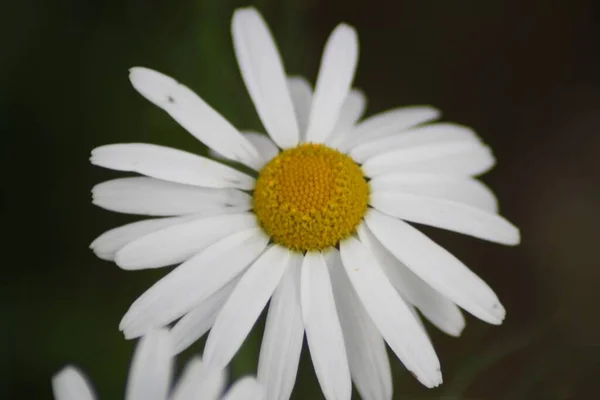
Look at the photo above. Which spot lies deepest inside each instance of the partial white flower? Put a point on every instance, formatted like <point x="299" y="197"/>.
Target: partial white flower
<point x="326" y="180"/>
<point x="150" y="377"/>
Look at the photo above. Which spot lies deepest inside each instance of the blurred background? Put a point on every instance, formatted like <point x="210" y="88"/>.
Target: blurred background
<point x="524" y="74"/>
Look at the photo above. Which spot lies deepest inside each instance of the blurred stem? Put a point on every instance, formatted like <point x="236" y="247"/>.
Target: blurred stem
<point x="535" y="373"/>
<point x="465" y="378"/>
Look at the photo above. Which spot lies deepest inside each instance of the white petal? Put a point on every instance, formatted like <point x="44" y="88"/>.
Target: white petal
<point x="106" y="245"/>
<point x="438" y="309"/>
<point x="417" y="316"/>
<point x="323" y="329"/>
<point x="198" y="382"/>
<point x="282" y="339"/>
<point x="244" y="305"/>
<point x="199" y="320"/>
<point x="218" y="156"/>
<point x="193" y="114"/>
<point x="180" y="242"/>
<point x="193" y="282"/>
<point x="449" y="187"/>
<point x="456" y="158"/>
<point x="149" y="196"/>
<point x="170" y="165"/>
<point x="429" y="134"/>
<point x="387" y="123"/>
<point x="436" y="266"/>
<point x="150" y="371"/>
<point x="191" y="377"/>
<point x="446" y="214"/>
<point x="265" y="79"/>
<point x="266" y="147"/>
<point x="369" y="364"/>
<point x="301" y="92"/>
<point x="336" y="74"/>
<point x="389" y="313"/>
<point x="246" y="388"/>
<point x="71" y="384"/>
<point x="352" y="110"/>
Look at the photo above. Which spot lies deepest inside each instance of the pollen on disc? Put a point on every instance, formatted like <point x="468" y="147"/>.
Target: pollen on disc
<point x="310" y="197"/>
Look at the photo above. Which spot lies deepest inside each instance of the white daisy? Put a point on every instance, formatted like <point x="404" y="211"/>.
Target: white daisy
<point x="150" y="377"/>
<point x="325" y="182"/>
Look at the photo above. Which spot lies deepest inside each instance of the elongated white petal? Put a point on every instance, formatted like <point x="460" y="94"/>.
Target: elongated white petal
<point x="336" y="74"/>
<point x="267" y="149"/>
<point x="415" y="314"/>
<point x="389" y="313"/>
<point x="369" y="364"/>
<point x="244" y="305"/>
<point x="106" y="245"/>
<point x="71" y="384"/>
<point x="436" y="266"/>
<point x="198" y="382"/>
<point x="199" y="320"/>
<point x="151" y="367"/>
<point x="246" y="388"/>
<point x="264" y="76"/>
<point x="149" y="196"/>
<point x="193" y="114"/>
<point x="428" y="134"/>
<point x="456" y="158"/>
<point x="193" y="282"/>
<point x="180" y="242"/>
<point x="454" y="188"/>
<point x="323" y="329"/>
<point x="447" y="214"/>
<point x="265" y="146"/>
<point x="282" y="339"/>
<point x="191" y="378"/>
<point x="170" y="165"/>
<point x="387" y="123"/>
<point x="438" y="309"/>
<point x="301" y="92"/>
<point x="352" y="110"/>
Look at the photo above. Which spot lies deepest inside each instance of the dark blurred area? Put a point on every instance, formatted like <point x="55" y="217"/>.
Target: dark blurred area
<point x="524" y="74"/>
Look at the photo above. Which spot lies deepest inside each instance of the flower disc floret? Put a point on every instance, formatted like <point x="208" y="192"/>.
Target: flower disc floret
<point x="310" y="197"/>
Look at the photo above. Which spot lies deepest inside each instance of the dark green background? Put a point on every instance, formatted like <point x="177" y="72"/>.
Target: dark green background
<point x="524" y="74"/>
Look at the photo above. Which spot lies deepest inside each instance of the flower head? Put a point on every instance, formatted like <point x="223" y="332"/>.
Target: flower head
<point x="321" y="231"/>
<point x="310" y="197"/>
<point x="150" y="377"/>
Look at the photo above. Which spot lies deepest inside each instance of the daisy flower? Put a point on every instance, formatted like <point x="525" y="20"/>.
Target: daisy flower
<point x="321" y="231"/>
<point x="150" y="377"/>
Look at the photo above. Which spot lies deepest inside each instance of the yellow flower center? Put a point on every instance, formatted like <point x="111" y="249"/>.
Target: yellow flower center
<point x="310" y="197"/>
